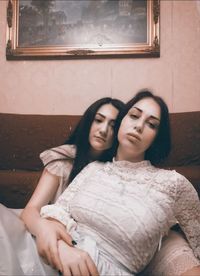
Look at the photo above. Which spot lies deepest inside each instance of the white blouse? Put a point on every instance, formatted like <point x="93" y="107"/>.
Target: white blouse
<point x="59" y="161"/>
<point x="127" y="208"/>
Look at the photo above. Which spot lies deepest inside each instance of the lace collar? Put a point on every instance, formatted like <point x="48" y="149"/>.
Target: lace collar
<point x="131" y="165"/>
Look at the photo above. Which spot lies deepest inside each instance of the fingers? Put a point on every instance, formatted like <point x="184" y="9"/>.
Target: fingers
<point x="75" y="271"/>
<point x="91" y="267"/>
<point x="84" y="269"/>
<point x="66" y="237"/>
<point x="66" y="271"/>
<point x="86" y="265"/>
<point x="54" y="256"/>
<point x="50" y="255"/>
<point x="76" y="262"/>
<point x="51" y="252"/>
<point x="76" y="268"/>
<point x="43" y="252"/>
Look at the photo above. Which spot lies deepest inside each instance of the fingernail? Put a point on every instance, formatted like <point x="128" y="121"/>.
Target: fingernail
<point x="74" y="242"/>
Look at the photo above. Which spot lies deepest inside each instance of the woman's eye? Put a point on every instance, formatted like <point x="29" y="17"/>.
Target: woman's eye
<point x="152" y="125"/>
<point x="97" y="120"/>
<point x="134" y="116"/>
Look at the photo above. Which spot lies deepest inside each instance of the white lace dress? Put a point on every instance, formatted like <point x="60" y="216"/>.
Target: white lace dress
<point x="17" y="246"/>
<point x="118" y="212"/>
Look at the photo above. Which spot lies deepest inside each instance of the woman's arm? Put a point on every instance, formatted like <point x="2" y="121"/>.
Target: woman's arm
<point x="46" y="232"/>
<point x="44" y="192"/>
<point x="58" y="164"/>
<point x="187" y="212"/>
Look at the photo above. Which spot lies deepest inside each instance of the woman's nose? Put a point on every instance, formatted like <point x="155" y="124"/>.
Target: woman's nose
<point x="139" y="126"/>
<point x="104" y="129"/>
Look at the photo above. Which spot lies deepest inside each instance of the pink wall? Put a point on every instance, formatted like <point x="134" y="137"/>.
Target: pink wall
<point x="69" y="86"/>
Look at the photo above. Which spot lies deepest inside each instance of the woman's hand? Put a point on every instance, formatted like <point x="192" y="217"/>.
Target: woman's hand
<point x="75" y="262"/>
<point x="48" y="234"/>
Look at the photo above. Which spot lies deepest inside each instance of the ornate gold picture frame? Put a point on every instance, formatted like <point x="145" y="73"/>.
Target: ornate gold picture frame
<point x="56" y="29"/>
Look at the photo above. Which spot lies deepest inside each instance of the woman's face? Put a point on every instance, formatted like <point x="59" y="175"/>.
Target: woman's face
<point x="101" y="131"/>
<point x="138" y="130"/>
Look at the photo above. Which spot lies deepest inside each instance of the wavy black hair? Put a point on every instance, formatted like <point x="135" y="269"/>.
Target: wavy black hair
<point x="80" y="136"/>
<point x="161" y="146"/>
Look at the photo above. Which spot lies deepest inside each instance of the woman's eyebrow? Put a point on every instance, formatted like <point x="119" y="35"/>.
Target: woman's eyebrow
<point x="152" y="117"/>
<point x="140" y="110"/>
<point x="100" y="114"/>
<point x="103" y="116"/>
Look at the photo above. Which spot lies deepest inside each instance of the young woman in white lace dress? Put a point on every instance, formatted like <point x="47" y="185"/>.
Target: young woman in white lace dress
<point x="119" y="212"/>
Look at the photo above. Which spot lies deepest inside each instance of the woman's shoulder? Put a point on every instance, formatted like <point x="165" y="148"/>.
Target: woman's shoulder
<point x="173" y="179"/>
<point x="59" y="160"/>
<point x="167" y="173"/>
<point x="63" y="152"/>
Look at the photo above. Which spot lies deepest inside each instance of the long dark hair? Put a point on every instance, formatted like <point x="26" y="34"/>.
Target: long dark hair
<point x="80" y="136"/>
<point x="161" y="146"/>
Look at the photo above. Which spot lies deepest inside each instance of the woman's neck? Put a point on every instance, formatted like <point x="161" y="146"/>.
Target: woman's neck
<point x="94" y="155"/>
<point x="128" y="156"/>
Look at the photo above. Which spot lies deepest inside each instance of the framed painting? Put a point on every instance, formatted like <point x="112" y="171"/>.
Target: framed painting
<point x="57" y="29"/>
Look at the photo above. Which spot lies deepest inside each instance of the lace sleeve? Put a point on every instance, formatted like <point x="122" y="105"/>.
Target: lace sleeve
<point x="187" y="212"/>
<point x="61" y="210"/>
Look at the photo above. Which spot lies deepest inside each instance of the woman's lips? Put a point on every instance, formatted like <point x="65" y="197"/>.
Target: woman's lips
<point x="100" y="138"/>
<point x="134" y="135"/>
